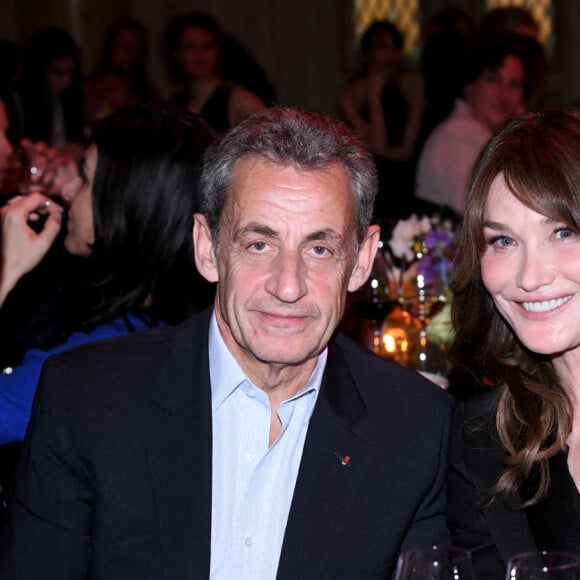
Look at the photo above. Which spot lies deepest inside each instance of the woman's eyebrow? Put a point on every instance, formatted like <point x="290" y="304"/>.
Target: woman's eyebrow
<point x="495" y="225"/>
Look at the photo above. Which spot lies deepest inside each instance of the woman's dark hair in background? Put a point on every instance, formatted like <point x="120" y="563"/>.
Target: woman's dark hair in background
<point x="519" y="21"/>
<point x="538" y="155"/>
<point x="42" y="49"/>
<point x="10" y="57"/>
<point x="449" y="35"/>
<point x="381" y="27"/>
<point x="238" y="65"/>
<point x="490" y="54"/>
<point x="515" y="19"/>
<point x="144" y="197"/>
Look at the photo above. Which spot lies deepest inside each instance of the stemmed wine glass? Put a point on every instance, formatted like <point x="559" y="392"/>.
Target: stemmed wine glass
<point x="32" y="168"/>
<point x="544" y="566"/>
<point x="36" y="167"/>
<point x="435" y="563"/>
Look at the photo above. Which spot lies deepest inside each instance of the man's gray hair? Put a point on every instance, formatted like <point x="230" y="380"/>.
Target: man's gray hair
<point x="289" y="136"/>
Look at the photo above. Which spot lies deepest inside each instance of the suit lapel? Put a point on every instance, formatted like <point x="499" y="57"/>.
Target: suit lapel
<point x="178" y="439"/>
<point x="332" y="469"/>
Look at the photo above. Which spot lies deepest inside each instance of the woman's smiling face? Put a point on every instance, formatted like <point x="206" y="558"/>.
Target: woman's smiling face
<point x="531" y="269"/>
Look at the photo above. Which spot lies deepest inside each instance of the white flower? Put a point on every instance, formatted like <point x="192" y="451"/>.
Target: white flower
<point x="402" y="249"/>
<point x="425" y="225"/>
<point x="404" y="232"/>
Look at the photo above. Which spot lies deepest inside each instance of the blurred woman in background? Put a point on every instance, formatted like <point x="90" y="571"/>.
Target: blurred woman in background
<point x="495" y="86"/>
<point x="50" y="92"/>
<point x="6" y="148"/>
<point x="120" y="77"/>
<point x="386" y="107"/>
<point x="193" y="47"/>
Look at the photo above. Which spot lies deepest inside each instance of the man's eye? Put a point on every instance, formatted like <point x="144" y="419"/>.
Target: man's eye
<point x="320" y="250"/>
<point x="258" y="246"/>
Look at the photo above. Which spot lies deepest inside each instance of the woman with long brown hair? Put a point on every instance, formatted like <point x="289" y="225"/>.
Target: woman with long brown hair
<point x="515" y="457"/>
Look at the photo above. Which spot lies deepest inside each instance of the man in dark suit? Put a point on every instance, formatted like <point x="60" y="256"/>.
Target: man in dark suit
<point x="249" y="442"/>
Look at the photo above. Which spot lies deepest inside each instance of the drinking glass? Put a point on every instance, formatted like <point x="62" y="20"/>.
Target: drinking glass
<point x="435" y="563"/>
<point x="544" y="566"/>
<point x="35" y="169"/>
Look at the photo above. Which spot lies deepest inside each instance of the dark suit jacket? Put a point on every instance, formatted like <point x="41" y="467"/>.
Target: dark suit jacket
<point x="115" y="476"/>
<point x="495" y="533"/>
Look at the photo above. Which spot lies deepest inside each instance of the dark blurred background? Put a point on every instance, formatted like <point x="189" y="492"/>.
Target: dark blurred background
<point x="307" y="47"/>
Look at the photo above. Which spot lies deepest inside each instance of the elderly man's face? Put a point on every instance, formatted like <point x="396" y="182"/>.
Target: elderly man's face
<point x="286" y="259"/>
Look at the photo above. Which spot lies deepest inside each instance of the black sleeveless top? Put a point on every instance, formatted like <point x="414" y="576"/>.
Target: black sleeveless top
<point x="215" y="110"/>
<point x="555" y="520"/>
<point x="396" y="178"/>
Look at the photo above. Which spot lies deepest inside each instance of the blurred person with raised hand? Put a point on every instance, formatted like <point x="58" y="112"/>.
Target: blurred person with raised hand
<point x="130" y="220"/>
<point x="10" y="63"/>
<point x="6" y="148"/>
<point x="386" y="106"/>
<point x="49" y="91"/>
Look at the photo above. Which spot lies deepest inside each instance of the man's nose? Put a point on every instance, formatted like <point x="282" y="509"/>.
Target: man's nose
<point x="287" y="281"/>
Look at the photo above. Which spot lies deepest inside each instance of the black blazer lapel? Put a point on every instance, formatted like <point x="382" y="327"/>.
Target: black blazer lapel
<point x="509" y="527"/>
<point x="178" y="439"/>
<point x="332" y="469"/>
<point x="554" y="519"/>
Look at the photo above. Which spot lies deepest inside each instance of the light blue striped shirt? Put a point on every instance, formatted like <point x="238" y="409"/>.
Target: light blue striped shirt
<point x="252" y="485"/>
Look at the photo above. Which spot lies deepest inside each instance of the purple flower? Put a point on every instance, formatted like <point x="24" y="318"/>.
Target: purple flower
<point x="426" y="268"/>
<point x="438" y="239"/>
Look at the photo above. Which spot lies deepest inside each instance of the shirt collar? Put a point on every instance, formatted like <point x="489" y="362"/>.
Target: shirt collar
<point x="226" y="375"/>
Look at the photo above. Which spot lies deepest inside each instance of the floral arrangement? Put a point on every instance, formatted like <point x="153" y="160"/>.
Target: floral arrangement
<point x="423" y="247"/>
<point x="411" y="275"/>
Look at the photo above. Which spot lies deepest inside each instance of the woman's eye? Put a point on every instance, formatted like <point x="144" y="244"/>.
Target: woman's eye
<point x="564" y="233"/>
<point x="500" y="241"/>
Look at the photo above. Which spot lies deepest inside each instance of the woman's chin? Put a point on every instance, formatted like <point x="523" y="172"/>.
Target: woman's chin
<point x="75" y="246"/>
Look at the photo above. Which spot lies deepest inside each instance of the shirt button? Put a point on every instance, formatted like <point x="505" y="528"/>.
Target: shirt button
<point x="248" y="541"/>
<point x="252" y="456"/>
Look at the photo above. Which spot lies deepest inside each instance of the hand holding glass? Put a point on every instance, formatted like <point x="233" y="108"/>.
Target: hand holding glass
<point x="38" y="167"/>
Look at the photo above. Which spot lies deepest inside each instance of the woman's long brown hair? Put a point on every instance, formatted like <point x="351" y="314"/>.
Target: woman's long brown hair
<point x="538" y="155"/>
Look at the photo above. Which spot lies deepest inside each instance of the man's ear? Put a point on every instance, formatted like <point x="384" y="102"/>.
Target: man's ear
<point x="366" y="256"/>
<point x="205" y="257"/>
